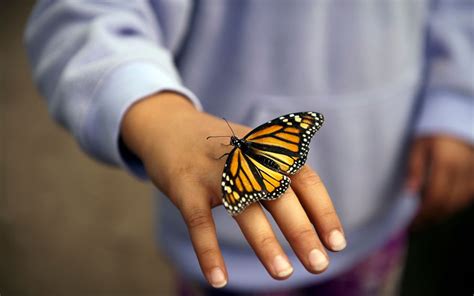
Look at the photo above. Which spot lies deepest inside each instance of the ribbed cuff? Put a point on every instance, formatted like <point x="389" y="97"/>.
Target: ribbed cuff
<point x="447" y="113"/>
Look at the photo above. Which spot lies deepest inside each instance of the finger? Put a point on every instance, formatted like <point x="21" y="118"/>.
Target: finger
<point x="198" y="218"/>
<point x="460" y="193"/>
<point x="466" y="188"/>
<point x="318" y="205"/>
<point x="258" y="232"/>
<point x="298" y="230"/>
<point x="468" y="177"/>
<point x="417" y="165"/>
<point x="470" y="174"/>
<point x="437" y="192"/>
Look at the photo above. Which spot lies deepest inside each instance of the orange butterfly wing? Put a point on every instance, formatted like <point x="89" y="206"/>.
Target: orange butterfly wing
<point x="246" y="181"/>
<point x="285" y="140"/>
<point x="273" y="150"/>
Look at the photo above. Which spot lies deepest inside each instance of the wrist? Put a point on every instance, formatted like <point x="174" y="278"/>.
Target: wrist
<point x="151" y="116"/>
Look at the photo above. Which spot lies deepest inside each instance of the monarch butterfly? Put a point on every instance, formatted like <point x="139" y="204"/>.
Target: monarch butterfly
<point x="258" y="166"/>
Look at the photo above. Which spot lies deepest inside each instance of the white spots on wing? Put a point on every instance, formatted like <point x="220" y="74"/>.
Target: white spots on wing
<point x="308" y="131"/>
<point x="244" y="199"/>
<point x="285" y="183"/>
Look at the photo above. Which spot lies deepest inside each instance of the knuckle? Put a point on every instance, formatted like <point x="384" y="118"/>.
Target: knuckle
<point x="327" y="213"/>
<point x="185" y="172"/>
<point x="198" y="218"/>
<point x="207" y="252"/>
<point x="308" y="177"/>
<point x="266" y="241"/>
<point x="303" y="233"/>
<point x="182" y="174"/>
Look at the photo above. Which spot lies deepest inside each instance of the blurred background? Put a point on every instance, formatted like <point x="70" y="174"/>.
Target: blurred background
<point x="70" y="226"/>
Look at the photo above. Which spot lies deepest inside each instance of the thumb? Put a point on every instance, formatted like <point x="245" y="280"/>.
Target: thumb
<point x="417" y="164"/>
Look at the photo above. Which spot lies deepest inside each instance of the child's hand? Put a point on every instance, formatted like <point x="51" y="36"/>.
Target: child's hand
<point x="169" y="135"/>
<point x="442" y="168"/>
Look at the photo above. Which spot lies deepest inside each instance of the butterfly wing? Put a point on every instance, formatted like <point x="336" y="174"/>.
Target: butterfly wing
<point x="272" y="151"/>
<point x="283" y="143"/>
<point x="245" y="181"/>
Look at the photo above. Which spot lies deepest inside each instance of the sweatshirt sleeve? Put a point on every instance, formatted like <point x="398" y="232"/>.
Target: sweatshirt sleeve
<point x="92" y="60"/>
<point x="448" y="105"/>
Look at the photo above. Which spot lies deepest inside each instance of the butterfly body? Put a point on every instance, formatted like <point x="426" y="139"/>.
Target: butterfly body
<point x="258" y="166"/>
<point x="236" y="142"/>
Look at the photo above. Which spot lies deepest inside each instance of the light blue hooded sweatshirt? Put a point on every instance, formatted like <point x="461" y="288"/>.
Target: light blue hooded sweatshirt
<point x="379" y="71"/>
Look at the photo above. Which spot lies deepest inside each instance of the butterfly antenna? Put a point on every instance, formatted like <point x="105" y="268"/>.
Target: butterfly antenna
<point x="211" y="137"/>
<point x="229" y="126"/>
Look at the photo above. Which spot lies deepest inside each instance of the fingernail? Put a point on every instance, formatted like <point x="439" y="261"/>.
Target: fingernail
<point x="317" y="260"/>
<point x="217" y="278"/>
<point x="281" y="266"/>
<point x="337" y="240"/>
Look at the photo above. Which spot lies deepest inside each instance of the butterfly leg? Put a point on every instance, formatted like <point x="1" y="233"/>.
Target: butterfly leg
<point x="225" y="154"/>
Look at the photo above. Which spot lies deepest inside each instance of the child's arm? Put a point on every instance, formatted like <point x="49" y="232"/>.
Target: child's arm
<point x="94" y="61"/>
<point x="169" y="135"/>
<point x="442" y="157"/>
